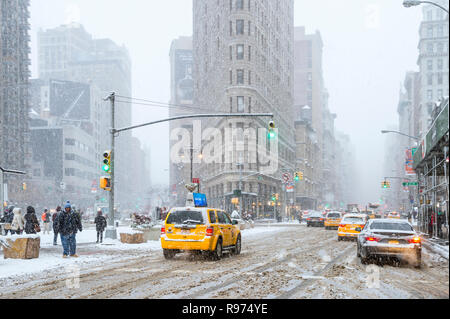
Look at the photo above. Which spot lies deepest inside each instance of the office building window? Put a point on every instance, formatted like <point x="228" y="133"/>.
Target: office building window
<point x="249" y="77"/>
<point x="439" y="78"/>
<point x="429" y="15"/>
<point x="249" y="52"/>
<point x="430" y="65"/>
<point x="240" y="4"/>
<point x="440" y="31"/>
<point x="430" y="47"/>
<point x="239" y="27"/>
<point x="430" y="31"/>
<point x="249" y="28"/>
<point x="440" y="93"/>
<point x="240" y="77"/>
<point x="240" y="52"/>
<point x="440" y="47"/>
<point x="69" y="141"/>
<point x="231" y="77"/>
<point x="249" y="105"/>
<point x="430" y="79"/>
<point x="440" y="64"/>
<point x="231" y="28"/>
<point x="430" y="95"/>
<point x="231" y="53"/>
<point x="240" y="104"/>
<point x="231" y="106"/>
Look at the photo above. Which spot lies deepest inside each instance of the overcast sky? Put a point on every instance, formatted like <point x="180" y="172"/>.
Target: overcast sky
<point x="368" y="47"/>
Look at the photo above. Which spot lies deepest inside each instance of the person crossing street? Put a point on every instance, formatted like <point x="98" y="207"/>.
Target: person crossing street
<point x="68" y="226"/>
<point x="100" y="225"/>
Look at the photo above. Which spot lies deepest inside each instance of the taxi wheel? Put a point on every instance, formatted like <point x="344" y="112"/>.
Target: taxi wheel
<point x="168" y="253"/>
<point x="339" y="238"/>
<point x="237" y="247"/>
<point x="218" y="252"/>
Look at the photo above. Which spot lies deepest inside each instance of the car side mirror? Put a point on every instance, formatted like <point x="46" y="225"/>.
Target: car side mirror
<point x="358" y="229"/>
<point x="234" y="222"/>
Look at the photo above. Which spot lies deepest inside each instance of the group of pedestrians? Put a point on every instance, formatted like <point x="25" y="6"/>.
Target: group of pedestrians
<point x="19" y="222"/>
<point x="66" y="223"/>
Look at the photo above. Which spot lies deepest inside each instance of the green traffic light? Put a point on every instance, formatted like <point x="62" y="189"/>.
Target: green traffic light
<point x="106" y="168"/>
<point x="271" y="134"/>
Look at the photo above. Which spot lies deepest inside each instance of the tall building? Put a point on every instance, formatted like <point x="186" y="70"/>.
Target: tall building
<point x="310" y="93"/>
<point x="433" y="61"/>
<point x="14" y="74"/>
<point x="181" y="98"/>
<point x="70" y="53"/>
<point x="243" y="62"/>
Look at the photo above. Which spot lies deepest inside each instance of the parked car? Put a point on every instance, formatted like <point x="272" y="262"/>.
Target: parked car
<point x="389" y="238"/>
<point x="351" y="225"/>
<point x="206" y="230"/>
<point x="315" y="219"/>
<point x="333" y="220"/>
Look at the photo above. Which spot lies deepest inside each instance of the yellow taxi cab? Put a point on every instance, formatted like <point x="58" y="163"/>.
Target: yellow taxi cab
<point x="333" y="219"/>
<point x="394" y="215"/>
<point x="202" y="229"/>
<point x="351" y="225"/>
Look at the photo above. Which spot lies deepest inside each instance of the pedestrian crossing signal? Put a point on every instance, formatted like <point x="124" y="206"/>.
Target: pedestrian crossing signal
<point x="105" y="183"/>
<point x="385" y="184"/>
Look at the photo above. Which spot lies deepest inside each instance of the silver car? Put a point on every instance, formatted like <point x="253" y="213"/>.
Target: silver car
<point x="389" y="238"/>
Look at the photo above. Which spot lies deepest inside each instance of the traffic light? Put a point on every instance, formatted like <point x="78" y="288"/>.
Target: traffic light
<point x="296" y="177"/>
<point x="277" y="196"/>
<point x="274" y="197"/>
<point x="107" y="161"/>
<point x="385" y="184"/>
<point x="271" y="130"/>
<point x="105" y="183"/>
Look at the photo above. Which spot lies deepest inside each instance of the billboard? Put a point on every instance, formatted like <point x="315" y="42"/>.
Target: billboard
<point x="184" y="85"/>
<point x="409" y="170"/>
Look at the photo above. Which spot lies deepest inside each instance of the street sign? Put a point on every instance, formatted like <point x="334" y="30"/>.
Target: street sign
<point x="410" y="184"/>
<point x="237" y="192"/>
<point x="196" y="180"/>
<point x="286" y="177"/>
<point x="289" y="188"/>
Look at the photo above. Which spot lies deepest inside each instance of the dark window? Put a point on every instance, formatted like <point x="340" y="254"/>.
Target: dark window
<point x="70" y="156"/>
<point x="185" y="217"/>
<point x="391" y="226"/>
<point x="239" y="27"/>
<point x="227" y="219"/>
<point x="212" y="217"/>
<point x="240" y="76"/>
<point x="240" y="104"/>
<point x="240" y="4"/>
<point x="334" y="215"/>
<point x="69" y="141"/>
<point x="221" y="217"/>
<point x="240" y="52"/>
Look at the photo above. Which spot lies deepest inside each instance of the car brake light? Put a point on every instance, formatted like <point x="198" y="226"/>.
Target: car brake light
<point x="308" y="218"/>
<point x="414" y="240"/>
<point x="321" y="219"/>
<point x="209" y="231"/>
<point x="163" y="230"/>
<point x="341" y="225"/>
<point x="370" y="238"/>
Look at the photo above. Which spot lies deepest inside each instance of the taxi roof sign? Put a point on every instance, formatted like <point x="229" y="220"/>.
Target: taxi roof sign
<point x="200" y="200"/>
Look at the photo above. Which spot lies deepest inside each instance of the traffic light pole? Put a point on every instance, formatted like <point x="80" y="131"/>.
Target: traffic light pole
<point x="111" y="231"/>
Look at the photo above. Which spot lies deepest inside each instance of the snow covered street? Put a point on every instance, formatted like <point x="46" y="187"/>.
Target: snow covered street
<point x="276" y="262"/>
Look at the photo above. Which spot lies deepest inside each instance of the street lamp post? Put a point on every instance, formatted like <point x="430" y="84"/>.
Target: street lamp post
<point x="400" y="133"/>
<point x="413" y="3"/>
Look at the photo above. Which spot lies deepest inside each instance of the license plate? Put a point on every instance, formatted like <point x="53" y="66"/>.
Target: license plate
<point x="185" y="231"/>
<point x="393" y="242"/>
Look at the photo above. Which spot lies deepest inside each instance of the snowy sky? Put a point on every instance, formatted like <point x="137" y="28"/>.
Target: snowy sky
<point x="368" y="47"/>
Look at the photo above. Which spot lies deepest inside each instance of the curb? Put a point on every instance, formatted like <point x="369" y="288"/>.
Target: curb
<point x="435" y="248"/>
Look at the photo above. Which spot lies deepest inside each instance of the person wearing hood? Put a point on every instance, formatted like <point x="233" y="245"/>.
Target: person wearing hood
<point x="8" y="218"/>
<point x="68" y="226"/>
<point x="18" y="222"/>
<point x="31" y="221"/>
<point x="55" y="217"/>
<point x="100" y="225"/>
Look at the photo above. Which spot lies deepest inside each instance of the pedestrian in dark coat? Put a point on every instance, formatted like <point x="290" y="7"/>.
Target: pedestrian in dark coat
<point x="100" y="225"/>
<point x="68" y="225"/>
<point x="30" y="221"/>
<point x="55" y="224"/>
